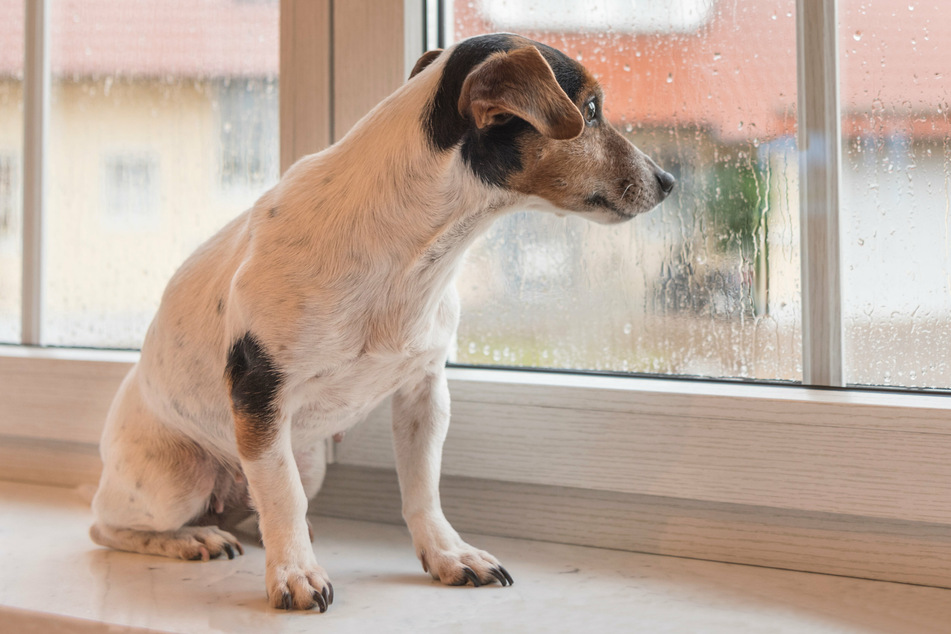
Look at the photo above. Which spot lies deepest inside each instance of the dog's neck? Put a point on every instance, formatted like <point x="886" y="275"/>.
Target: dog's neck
<point x="410" y="213"/>
<point x="419" y="208"/>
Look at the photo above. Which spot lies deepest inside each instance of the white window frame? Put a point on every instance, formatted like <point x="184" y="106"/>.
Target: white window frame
<point x="832" y="480"/>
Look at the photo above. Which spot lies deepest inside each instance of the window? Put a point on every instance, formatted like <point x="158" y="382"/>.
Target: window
<point x="896" y="178"/>
<point x="162" y="120"/>
<point x="709" y="284"/>
<point x="705" y="285"/>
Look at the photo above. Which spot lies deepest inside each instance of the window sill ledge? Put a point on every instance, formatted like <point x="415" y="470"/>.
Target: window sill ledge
<point x="841" y="482"/>
<point x="380" y="587"/>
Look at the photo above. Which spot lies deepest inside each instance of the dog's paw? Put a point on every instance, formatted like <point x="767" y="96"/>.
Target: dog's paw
<point x="299" y="587"/>
<point x="194" y="543"/>
<point x="464" y="564"/>
<point x="202" y="543"/>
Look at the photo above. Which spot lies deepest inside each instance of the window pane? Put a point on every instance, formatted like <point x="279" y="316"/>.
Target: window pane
<point x="708" y="284"/>
<point x="163" y="126"/>
<point x="896" y="223"/>
<point x="11" y="167"/>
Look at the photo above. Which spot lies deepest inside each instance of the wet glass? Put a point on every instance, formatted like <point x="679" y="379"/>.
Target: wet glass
<point x="708" y="284"/>
<point x="895" y="192"/>
<point x="163" y="127"/>
<point x="11" y="168"/>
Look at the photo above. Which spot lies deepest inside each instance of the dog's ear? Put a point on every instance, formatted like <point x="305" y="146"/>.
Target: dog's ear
<point x="425" y="60"/>
<point x="520" y="83"/>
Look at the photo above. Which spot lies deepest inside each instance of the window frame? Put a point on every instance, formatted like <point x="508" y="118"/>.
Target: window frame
<point x="839" y="462"/>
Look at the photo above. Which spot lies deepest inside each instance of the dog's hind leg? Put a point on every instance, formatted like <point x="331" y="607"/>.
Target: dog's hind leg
<point x="420" y="423"/>
<point x="154" y="483"/>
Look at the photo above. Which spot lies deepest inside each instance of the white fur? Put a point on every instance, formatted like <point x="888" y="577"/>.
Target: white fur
<point x="343" y="271"/>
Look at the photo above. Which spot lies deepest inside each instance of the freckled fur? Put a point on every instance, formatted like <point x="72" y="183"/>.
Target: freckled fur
<point x="335" y="291"/>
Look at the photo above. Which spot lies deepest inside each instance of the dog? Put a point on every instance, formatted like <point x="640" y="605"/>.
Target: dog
<point x="335" y="291"/>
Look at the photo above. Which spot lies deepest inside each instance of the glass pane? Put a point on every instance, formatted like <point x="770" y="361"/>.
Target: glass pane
<point x="11" y="167"/>
<point x="708" y="284"/>
<point x="896" y="223"/>
<point x="163" y="127"/>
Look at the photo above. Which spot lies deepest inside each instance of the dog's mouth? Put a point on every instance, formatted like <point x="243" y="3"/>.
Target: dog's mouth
<point x="633" y="197"/>
<point x="628" y="208"/>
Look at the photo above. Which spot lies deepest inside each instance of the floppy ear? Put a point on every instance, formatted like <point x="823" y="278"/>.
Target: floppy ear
<point x="425" y="60"/>
<point x="520" y="83"/>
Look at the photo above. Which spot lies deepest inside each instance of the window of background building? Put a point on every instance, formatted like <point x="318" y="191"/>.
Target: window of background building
<point x="130" y="188"/>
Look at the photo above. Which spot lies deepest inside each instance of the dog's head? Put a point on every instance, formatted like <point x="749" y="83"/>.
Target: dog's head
<point x="528" y="118"/>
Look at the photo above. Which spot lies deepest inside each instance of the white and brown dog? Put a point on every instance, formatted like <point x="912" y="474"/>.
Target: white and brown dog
<point x="335" y="291"/>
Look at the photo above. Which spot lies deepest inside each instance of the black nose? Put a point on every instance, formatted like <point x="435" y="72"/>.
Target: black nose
<point x="666" y="180"/>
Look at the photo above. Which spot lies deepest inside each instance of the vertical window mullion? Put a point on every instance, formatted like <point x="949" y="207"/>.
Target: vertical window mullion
<point x="36" y="83"/>
<point x="819" y="167"/>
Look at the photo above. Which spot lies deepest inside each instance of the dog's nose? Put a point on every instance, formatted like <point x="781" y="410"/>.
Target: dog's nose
<point x="666" y="180"/>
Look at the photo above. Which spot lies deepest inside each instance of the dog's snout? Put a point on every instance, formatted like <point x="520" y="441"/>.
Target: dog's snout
<point x="666" y="180"/>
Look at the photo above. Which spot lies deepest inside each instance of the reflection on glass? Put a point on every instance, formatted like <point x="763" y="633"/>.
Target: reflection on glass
<point x="163" y="126"/>
<point x="708" y="284"/>
<point x="11" y="167"/>
<point x="896" y="188"/>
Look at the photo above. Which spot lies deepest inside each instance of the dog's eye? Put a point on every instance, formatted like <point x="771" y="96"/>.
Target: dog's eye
<point x="590" y="111"/>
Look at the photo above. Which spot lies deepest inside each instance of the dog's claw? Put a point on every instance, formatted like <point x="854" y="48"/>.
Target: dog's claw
<point x="503" y="577"/>
<point x="321" y="600"/>
<point x="328" y="593"/>
<point x="471" y="576"/>
<point x="229" y="551"/>
<point x="286" y="601"/>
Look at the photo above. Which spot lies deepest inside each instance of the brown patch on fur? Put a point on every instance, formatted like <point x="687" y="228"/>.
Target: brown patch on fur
<point x="597" y="171"/>
<point x="520" y="83"/>
<point x="253" y="435"/>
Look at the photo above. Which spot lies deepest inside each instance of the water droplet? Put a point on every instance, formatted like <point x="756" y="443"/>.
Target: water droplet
<point x="628" y="328"/>
<point x="857" y="36"/>
<point x="740" y="127"/>
<point x="627" y="68"/>
<point x="717" y="56"/>
<point x="670" y="78"/>
<point x="472" y="347"/>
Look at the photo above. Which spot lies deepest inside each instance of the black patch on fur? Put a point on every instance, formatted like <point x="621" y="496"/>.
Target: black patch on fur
<point x="493" y="153"/>
<point x="255" y="382"/>
<point x="272" y="212"/>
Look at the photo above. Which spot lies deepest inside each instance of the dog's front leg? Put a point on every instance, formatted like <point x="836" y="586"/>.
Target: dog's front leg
<point x="420" y="423"/>
<point x="293" y="577"/>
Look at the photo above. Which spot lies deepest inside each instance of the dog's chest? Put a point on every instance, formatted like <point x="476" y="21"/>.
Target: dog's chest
<point x="334" y="401"/>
